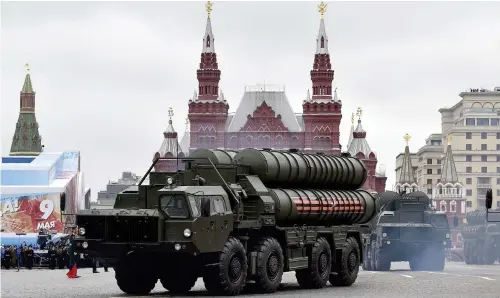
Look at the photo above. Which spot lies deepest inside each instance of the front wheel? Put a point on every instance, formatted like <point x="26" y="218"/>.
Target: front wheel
<point x="179" y="283"/>
<point x="270" y="263"/>
<point x="367" y="266"/>
<point x="132" y="278"/>
<point x="320" y="264"/>
<point x="348" y="269"/>
<point x="228" y="277"/>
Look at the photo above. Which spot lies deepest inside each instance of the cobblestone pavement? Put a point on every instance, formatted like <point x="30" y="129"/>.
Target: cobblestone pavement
<point x="458" y="280"/>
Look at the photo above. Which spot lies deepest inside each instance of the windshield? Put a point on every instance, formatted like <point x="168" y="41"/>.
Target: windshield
<point x="206" y="205"/>
<point x="439" y="221"/>
<point x="174" y="206"/>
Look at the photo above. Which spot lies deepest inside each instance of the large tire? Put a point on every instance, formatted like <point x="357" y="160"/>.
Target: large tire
<point x="270" y="264"/>
<point x="132" y="278"/>
<point x="380" y="263"/>
<point x="489" y="254"/>
<point x="372" y="259"/>
<point x="229" y="276"/>
<point x="179" y="282"/>
<point x="431" y="259"/>
<point x="367" y="265"/>
<point x="348" y="269"/>
<point x="320" y="265"/>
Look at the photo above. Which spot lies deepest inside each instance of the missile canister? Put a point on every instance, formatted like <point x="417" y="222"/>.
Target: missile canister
<point x="473" y="231"/>
<point x="291" y="169"/>
<point x="323" y="207"/>
<point x="477" y="217"/>
<point x="217" y="156"/>
<point x="385" y="199"/>
<point x="419" y="196"/>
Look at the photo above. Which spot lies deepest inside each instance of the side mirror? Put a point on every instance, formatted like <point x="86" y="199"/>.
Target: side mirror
<point x="455" y="221"/>
<point x="489" y="199"/>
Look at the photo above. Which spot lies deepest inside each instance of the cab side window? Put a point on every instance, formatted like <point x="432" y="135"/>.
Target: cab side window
<point x="218" y="206"/>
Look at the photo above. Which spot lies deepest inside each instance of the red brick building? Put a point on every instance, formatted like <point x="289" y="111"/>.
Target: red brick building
<point x="265" y="119"/>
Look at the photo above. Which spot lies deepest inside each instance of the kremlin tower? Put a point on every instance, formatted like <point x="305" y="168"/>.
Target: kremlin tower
<point x="27" y="140"/>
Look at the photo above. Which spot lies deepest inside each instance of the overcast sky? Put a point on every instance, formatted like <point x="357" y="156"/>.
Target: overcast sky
<point x="106" y="73"/>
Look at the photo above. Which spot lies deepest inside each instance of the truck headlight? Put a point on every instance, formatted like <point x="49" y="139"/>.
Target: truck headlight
<point x="85" y="245"/>
<point x="384" y="235"/>
<point x="447" y="236"/>
<point x="81" y="231"/>
<point x="187" y="233"/>
<point x="170" y="180"/>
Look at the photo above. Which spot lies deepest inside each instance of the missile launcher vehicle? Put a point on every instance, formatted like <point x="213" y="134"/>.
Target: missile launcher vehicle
<point x="236" y="219"/>
<point x="482" y="238"/>
<point x="406" y="229"/>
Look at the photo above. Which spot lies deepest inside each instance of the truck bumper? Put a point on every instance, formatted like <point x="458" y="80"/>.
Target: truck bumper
<point x="111" y="251"/>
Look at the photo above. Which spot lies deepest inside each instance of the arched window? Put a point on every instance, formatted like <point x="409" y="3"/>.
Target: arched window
<point x="208" y="41"/>
<point x="264" y="142"/>
<point x="278" y="142"/>
<point x="453" y="206"/>
<point x="249" y="141"/>
<point x="322" y="42"/>
<point x="443" y="206"/>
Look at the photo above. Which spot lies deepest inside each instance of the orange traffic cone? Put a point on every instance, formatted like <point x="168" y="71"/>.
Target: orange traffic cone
<point x="72" y="273"/>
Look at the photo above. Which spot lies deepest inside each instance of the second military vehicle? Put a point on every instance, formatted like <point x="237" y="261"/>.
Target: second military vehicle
<point x="236" y="219"/>
<point x="406" y="228"/>
<point x="482" y="238"/>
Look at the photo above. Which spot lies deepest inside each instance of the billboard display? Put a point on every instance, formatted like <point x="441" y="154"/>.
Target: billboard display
<point x="28" y="213"/>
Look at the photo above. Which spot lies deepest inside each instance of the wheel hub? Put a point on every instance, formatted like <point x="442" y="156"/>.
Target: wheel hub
<point x="235" y="268"/>
<point x="273" y="266"/>
<point x="351" y="264"/>
<point x="323" y="264"/>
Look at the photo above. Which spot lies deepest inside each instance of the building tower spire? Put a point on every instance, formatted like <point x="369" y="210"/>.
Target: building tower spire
<point x="26" y="140"/>
<point x="448" y="193"/>
<point x="169" y="148"/>
<point x="322" y="73"/>
<point x="406" y="181"/>
<point x="360" y="148"/>
<point x="208" y="74"/>
<point x="351" y="132"/>
<point x="322" y="107"/>
<point x="449" y="172"/>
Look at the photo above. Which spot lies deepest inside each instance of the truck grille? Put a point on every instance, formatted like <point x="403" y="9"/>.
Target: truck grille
<point x="416" y="235"/>
<point x="129" y="229"/>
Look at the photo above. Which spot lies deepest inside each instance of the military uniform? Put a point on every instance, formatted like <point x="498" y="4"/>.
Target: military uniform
<point x="72" y="250"/>
<point x="30" y="255"/>
<point x="52" y="257"/>
<point x="7" y="257"/>
<point x="95" y="260"/>
<point x="60" y="258"/>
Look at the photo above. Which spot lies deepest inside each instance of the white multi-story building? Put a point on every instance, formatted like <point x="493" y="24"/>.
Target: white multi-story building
<point x="474" y="126"/>
<point x="426" y="164"/>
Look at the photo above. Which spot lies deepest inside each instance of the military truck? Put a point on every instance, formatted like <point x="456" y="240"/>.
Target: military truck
<point x="489" y="203"/>
<point x="406" y="229"/>
<point x="482" y="238"/>
<point x="236" y="219"/>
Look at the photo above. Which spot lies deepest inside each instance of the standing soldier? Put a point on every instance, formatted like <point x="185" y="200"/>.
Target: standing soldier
<point x="14" y="256"/>
<point x="60" y="258"/>
<point x="95" y="262"/>
<point x="65" y="258"/>
<point x="7" y="257"/>
<point x="72" y="247"/>
<point x="52" y="257"/>
<point x="30" y="254"/>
